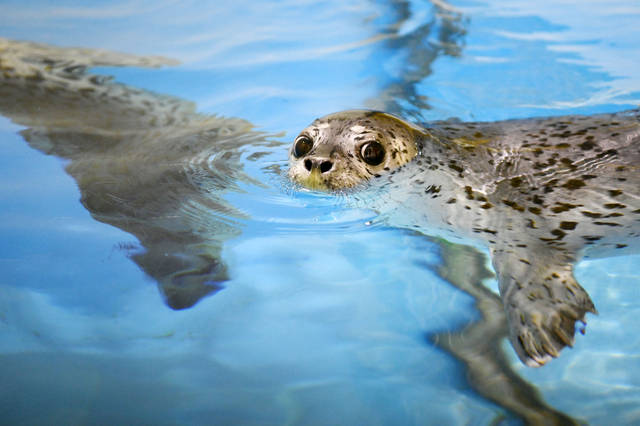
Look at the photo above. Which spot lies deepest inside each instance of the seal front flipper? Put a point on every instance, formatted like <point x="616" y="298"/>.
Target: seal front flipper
<point x="542" y="300"/>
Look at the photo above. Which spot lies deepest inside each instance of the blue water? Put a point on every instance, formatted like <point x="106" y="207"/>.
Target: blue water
<point x="324" y="318"/>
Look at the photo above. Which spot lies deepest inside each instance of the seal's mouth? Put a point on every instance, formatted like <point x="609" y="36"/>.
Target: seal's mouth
<point x="313" y="180"/>
<point x="337" y="179"/>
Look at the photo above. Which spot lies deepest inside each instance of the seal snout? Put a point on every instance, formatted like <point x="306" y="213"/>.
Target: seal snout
<point x="321" y="164"/>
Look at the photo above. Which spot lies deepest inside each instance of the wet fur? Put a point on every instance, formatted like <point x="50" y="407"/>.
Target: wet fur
<point x="541" y="193"/>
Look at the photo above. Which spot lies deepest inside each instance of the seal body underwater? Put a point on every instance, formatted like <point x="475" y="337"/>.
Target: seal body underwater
<point x="542" y="193"/>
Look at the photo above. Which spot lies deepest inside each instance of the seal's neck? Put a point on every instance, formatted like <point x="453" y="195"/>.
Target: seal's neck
<point x="432" y="190"/>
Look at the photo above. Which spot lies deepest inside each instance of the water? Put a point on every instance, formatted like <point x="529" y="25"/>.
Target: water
<point x="323" y="319"/>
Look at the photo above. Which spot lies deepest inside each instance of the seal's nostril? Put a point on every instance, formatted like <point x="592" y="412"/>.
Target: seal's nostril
<point x="326" y="166"/>
<point x="308" y="164"/>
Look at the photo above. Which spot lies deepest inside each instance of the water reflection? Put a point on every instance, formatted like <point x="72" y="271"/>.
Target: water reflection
<point x="146" y="163"/>
<point x="418" y="38"/>
<point x="479" y="345"/>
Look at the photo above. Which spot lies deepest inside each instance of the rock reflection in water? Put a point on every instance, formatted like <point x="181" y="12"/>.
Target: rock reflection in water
<point x="146" y="163"/>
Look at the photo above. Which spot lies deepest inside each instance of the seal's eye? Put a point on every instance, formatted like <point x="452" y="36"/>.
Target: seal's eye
<point x="302" y="146"/>
<point x="372" y="153"/>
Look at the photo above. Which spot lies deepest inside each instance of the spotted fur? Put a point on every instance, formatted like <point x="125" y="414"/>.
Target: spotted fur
<point x="541" y="193"/>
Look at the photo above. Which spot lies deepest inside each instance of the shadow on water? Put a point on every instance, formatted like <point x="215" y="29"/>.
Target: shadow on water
<point x="145" y="163"/>
<point x="152" y="166"/>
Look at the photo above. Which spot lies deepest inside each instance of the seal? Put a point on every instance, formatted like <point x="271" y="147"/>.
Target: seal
<point x="541" y="193"/>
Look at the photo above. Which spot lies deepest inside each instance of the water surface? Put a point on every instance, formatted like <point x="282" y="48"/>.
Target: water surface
<point x="304" y="314"/>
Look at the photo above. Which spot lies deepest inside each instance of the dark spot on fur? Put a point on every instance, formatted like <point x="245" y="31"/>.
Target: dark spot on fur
<point x="615" y="192"/>
<point x="614" y="206"/>
<point x="587" y="145"/>
<point x="568" y="226"/>
<point x="455" y="167"/>
<point x="619" y="246"/>
<point x="469" y="191"/>
<point x="607" y="152"/>
<point x="573" y="184"/>
<point x="513" y="205"/>
<point x="563" y="207"/>
<point x="486" y="230"/>
<point x="606" y="223"/>
<point x="591" y="214"/>
<point x="567" y="162"/>
<point x="451" y="201"/>
<point x="549" y="186"/>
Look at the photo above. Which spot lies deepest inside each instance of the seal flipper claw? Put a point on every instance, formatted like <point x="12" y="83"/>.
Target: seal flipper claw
<point x="543" y="302"/>
<point x="563" y="336"/>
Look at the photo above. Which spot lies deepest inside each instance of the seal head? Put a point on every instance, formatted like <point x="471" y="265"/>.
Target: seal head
<point x="344" y="149"/>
